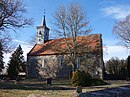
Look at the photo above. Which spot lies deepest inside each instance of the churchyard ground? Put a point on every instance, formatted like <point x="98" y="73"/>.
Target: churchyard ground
<point x="59" y="88"/>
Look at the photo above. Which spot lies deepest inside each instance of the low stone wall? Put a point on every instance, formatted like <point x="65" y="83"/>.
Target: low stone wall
<point x="123" y="91"/>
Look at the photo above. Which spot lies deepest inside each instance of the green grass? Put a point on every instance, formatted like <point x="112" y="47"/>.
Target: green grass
<point x="59" y="88"/>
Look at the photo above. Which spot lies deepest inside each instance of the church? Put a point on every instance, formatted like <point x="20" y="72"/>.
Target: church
<point x="43" y="61"/>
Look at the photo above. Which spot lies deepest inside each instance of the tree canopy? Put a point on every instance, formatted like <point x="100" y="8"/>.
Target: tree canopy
<point x="17" y="63"/>
<point x="128" y="66"/>
<point x="12" y="17"/>
<point x="116" y="66"/>
<point x="71" y="21"/>
<point x="1" y="57"/>
<point x="122" y="30"/>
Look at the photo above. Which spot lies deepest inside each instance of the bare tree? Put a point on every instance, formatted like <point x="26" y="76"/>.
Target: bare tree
<point x="5" y="39"/>
<point x="122" y="31"/>
<point x="11" y="15"/>
<point x="12" y="18"/>
<point x="71" y="22"/>
<point x="116" y="66"/>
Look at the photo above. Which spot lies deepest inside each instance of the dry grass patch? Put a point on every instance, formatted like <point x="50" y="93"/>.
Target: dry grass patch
<point x="59" y="88"/>
<point x="46" y="93"/>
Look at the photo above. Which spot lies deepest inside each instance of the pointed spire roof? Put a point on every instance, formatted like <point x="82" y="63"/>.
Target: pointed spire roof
<point x="44" y="21"/>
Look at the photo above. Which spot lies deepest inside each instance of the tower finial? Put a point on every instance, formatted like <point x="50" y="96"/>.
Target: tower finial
<point x="44" y="12"/>
<point x="44" y="21"/>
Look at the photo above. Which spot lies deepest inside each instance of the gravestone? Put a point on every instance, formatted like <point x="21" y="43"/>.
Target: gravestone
<point x="78" y="89"/>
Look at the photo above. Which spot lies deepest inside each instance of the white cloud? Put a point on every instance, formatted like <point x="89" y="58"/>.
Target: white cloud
<point x="19" y="41"/>
<point x="26" y="48"/>
<point x="115" y="51"/>
<point x="117" y="12"/>
<point x="113" y="48"/>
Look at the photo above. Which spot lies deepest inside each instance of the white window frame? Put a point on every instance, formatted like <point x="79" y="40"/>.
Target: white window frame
<point x="78" y="62"/>
<point x="43" y="63"/>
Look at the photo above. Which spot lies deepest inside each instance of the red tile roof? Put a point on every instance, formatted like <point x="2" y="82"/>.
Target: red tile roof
<point x="92" y="41"/>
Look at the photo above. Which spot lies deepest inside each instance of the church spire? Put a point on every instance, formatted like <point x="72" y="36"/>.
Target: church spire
<point x="44" y="20"/>
<point x="42" y="34"/>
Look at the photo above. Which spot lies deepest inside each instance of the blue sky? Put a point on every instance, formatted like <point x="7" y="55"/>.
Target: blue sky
<point x="102" y="15"/>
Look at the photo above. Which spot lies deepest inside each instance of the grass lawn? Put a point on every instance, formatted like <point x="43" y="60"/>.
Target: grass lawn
<point x="59" y="88"/>
<point x="25" y="93"/>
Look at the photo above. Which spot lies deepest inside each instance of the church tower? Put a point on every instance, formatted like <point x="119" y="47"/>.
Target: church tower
<point x="42" y="34"/>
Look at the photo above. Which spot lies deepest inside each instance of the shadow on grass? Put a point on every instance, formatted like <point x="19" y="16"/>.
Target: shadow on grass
<point x="120" y="91"/>
<point x="33" y="86"/>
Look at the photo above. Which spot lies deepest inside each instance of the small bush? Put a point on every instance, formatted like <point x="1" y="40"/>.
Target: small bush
<point x="80" y="78"/>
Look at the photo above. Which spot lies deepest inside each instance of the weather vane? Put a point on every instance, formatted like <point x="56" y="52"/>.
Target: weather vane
<point x="44" y="12"/>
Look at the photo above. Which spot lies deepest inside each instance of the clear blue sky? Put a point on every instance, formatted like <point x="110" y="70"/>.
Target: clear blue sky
<point x="102" y="15"/>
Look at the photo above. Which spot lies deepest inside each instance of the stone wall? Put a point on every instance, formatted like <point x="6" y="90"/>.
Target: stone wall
<point x="47" y="66"/>
<point x="92" y="63"/>
<point x="57" y="66"/>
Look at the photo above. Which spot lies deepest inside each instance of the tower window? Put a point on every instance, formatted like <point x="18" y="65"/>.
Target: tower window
<point x="40" y="33"/>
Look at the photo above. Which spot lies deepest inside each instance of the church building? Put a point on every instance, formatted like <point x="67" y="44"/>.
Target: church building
<point x="43" y="61"/>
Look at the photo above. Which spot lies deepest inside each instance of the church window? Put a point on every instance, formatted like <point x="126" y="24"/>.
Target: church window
<point x="40" y="62"/>
<point x="43" y="63"/>
<point x="60" y="60"/>
<point x="78" y="62"/>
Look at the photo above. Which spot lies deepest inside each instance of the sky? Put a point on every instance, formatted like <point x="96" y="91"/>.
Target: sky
<point x="102" y="15"/>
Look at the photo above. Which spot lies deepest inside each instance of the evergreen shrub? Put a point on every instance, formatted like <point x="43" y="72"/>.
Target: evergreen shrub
<point x="81" y="78"/>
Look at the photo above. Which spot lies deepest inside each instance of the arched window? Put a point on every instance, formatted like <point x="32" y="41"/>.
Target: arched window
<point x="43" y="63"/>
<point x="40" y="33"/>
<point x="60" y="60"/>
<point x="78" y="62"/>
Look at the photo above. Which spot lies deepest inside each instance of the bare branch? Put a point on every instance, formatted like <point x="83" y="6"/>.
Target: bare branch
<point x="122" y="30"/>
<point x="11" y="15"/>
<point x="70" y="22"/>
<point x="12" y="18"/>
